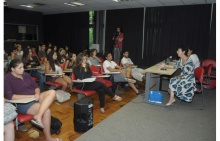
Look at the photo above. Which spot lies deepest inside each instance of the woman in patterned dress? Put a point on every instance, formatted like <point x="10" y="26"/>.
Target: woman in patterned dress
<point x="182" y="86"/>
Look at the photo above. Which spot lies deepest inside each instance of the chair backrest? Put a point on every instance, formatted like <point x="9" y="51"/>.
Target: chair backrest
<point x="102" y="60"/>
<point x="208" y="69"/>
<point x="198" y="73"/>
<point x="206" y="62"/>
<point x="73" y="76"/>
<point x="94" y="69"/>
<point x="63" y="65"/>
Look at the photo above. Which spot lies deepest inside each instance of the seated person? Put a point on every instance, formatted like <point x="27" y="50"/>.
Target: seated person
<point x="9" y="131"/>
<point x="111" y="66"/>
<point x="191" y="54"/>
<point x="61" y="56"/>
<point x="94" y="60"/>
<point x="183" y="86"/>
<point x="53" y="67"/>
<point x="32" y="61"/>
<point x="82" y="71"/>
<point x="70" y="62"/>
<point x="27" y="88"/>
<point x="137" y="73"/>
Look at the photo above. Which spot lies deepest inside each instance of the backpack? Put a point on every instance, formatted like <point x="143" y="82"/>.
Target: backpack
<point x="55" y="125"/>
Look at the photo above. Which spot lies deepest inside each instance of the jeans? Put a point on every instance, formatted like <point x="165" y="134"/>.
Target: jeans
<point x="40" y="77"/>
<point x="117" y="55"/>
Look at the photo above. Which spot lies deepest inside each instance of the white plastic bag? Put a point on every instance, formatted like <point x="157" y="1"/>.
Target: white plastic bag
<point x="62" y="96"/>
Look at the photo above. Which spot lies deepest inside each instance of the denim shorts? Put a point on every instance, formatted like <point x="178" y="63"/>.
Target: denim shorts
<point x="22" y="108"/>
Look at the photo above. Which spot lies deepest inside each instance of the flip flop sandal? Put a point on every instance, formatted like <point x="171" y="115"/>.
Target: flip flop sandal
<point x="33" y="121"/>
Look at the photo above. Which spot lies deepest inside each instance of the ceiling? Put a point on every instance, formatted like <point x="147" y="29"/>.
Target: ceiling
<point x="57" y="6"/>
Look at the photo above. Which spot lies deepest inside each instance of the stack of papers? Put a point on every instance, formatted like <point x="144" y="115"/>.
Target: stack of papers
<point x="85" y="80"/>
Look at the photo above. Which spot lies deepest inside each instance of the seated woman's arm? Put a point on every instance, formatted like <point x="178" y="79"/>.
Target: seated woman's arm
<point x="47" y="69"/>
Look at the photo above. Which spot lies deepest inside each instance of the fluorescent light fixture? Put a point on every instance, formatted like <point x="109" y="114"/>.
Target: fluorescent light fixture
<point x="27" y="5"/>
<point x="74" y="4"/>
<point x="78" y="3"/>
<point x="69" y="4"/>
<point x="116" y="0"/>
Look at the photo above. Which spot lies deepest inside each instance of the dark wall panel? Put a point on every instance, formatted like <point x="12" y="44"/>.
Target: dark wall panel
<point x="16" y="16"/>
<point x="68" y="29"/>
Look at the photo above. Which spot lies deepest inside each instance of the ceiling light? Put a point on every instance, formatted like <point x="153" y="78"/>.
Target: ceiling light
<point x="78" y="3"/>
<point x="27" y="5"/>
<point x="116" y="0"/>
<point x="69" y="4"/>
<point x="32" y="5"/>
<point x="74" y="4"/>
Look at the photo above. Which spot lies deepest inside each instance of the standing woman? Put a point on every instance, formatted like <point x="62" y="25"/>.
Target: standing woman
<point x="53" y="66"/>
<point x="82" y="71"/>
<point x="19" y="84"/>
<point x="183" y="86"/>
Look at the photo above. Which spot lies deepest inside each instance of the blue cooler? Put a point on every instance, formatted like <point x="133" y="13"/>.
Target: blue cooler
<point x="155" y="97"/>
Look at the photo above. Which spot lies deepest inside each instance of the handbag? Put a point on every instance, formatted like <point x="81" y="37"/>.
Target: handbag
<point x="9" y="113"/>
<point x="62" y="96"/>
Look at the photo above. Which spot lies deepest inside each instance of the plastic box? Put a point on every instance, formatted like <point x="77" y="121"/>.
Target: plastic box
<point x="155" y="97"/>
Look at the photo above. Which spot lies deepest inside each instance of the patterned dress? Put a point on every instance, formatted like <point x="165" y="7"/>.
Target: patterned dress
<point x="184" y="86"/>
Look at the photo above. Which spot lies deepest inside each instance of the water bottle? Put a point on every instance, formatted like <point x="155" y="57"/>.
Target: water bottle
<point x="171" y="59"/>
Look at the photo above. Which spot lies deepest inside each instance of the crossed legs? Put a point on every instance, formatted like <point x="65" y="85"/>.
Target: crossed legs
<point x="42" y="112"/>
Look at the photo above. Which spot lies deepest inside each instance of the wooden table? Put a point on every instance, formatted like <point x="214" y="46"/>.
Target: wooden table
<point x="154" y="72"/>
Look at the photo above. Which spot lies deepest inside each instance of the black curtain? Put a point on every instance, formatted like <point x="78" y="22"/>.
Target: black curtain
<point x="131" y="23"/>
<point x="67" y="29"/>
<point x="212" y="44"/>
<point x="168" y="27"/>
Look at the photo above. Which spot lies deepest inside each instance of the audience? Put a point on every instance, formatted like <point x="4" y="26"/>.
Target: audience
<point x="9" y="131"/>
<point x="70" y="62"/>
<point x="31" y="62"/>
<point x="111" y="66"/>
<point x="42" y="53"/>
<point x="182" y="86"/>
<point x="82" y="71"/>
<point x="191" y="54"/>
<point x="53" y="66"/>
<point x="27" y="88"/>
<point x="61" y="56"/>
<point x="137" y="73"/>
<point x="94" y="60"/>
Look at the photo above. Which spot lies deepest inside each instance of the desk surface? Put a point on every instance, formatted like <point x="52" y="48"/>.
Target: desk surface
<point x="156" y="70"/>
<point x="23" y="100"/>
<point x="35" y="68"/>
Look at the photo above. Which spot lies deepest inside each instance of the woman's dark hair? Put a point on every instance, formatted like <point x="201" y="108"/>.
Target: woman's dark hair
<point x="52" y="61"/>
<point x="91" y="52"/>
<point x="13" y="64"/>
<point x="79" y="60"/>
<point x="184" y="48"/>
<point x="26" y="53"/>
<point x="193" y="50"/>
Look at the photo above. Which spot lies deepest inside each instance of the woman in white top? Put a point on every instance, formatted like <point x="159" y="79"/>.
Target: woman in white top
<point x="193" y="57"/>
<point x="53" y="67"/>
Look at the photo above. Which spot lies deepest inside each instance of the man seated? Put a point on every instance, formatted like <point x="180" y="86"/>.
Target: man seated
<point x="137" y="73"/>
<point x="110" y="66"/>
